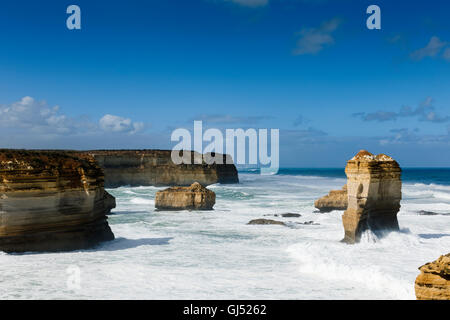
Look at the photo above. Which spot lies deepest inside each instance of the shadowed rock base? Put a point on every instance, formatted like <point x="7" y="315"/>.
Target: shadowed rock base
<point x="374" y="194"/>
<point x="433" y="282"/>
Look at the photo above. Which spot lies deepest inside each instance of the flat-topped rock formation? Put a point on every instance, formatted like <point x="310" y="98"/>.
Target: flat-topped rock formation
<point x="335" y="200"/>
<point x="433" y="282"/>
<point x="51" y="201"/>
<point x="155" y="168"/>
<point x="195" y="197"/>
<point x="266" y="222"/>
<point x="374" y="192"/>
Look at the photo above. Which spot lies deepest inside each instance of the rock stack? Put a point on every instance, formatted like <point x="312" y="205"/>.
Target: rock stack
<point x="195" y="197"/>
<point x="433" y="282"/>
<point x="51" y="201"/>
<point x="374" y="193"/>
<point x="335" y="200"/>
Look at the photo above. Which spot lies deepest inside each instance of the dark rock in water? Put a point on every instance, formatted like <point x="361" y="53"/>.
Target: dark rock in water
<point x="307" y="223"/>
<point x="285" y="215"/>
<point x="266" y="221"/>
<point x="431" y="213"/>
<point x="291" y="215"/>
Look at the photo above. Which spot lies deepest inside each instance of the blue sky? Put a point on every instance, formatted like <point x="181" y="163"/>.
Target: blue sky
<point x="139" y="69"/>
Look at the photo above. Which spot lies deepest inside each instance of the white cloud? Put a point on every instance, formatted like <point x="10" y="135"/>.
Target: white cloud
<point x="29" y="114"/>
<point x="313" y="40"/>
<point x="28" y="117"/>
<point x="113" y="123"/>
<point x="433" y="48"/>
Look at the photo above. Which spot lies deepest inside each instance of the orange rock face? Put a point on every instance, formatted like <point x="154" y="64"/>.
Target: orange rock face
<point x="433" y="282"/>
<point x="51" y="201"/>
<point x="195" y="197"/>
<point x="335" y="200"/>
<point x="374" y="193"/>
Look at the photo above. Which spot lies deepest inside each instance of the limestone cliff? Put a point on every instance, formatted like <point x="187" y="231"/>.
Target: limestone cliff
<point x="374" y="193"/>
<point x="155" y="168"/>
<point x="51" y="201"/>
<point x="195" y="197"/>
<point x="433" y="282"/>
<point x="335" y="200"/>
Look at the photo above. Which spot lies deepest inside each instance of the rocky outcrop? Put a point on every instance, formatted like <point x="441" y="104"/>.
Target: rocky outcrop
<point x="266" y="221"/>
<point x="155" y="168"/>
<point x="374" y="193"/>
<point x="195" y="197"/>
<point x="51" y="201"/>
<point x="433" y="282"/>
<point x="335" y="200"/>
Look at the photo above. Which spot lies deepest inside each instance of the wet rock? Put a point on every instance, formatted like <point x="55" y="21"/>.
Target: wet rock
<point x="266" y="221"/>
<point x="291" y="215"/>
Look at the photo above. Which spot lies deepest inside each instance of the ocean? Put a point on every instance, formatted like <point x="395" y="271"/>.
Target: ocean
<point x="216" y="255"/>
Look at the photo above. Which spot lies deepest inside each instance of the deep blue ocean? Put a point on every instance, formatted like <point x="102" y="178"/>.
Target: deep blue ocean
<point x="411" y="175"/>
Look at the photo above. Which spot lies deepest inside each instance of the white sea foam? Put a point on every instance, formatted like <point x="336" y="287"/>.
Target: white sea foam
<point x="216" y="255"/>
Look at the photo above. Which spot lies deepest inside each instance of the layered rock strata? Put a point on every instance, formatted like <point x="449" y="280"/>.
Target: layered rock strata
<point x="335" y="200"/>
<point x="155" y="168"/>
<point x="374" y="193"/>
<point x="195" y="197"/>
<point x="51" y="201"/>
<point x="433" y="282"/>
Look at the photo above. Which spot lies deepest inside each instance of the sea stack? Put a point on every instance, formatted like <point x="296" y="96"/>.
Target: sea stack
<point x="335" y="200"/>
<point x="156" y="168"/>
<point x="51" y="201"/>
<point x="195" y="197"/>
<point x="433" y="282"/>
<point x="374" y="192"/>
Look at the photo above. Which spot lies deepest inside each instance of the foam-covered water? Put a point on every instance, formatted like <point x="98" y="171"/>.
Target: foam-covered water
<point x="216" y="255"/>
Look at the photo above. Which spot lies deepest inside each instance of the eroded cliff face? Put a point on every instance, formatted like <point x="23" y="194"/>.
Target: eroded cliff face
<point x="374" y="193"/>
<point x="51" y="201"/>
<point x="433" y="282"/>
<point x="335" y="200"/>
<point x="155" y="168"/>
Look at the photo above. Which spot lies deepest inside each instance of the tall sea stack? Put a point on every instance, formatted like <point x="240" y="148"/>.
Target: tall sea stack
<point x="374" y="193"/>
<point x="51" y="201"/>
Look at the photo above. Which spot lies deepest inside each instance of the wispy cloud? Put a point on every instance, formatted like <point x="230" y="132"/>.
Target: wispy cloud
<point x="412" y="136"/>
<point x="432" y="49"/>
<point x="313" y="40"/>
<point x="229" y="119"/>
<point x="424" y="112"/>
